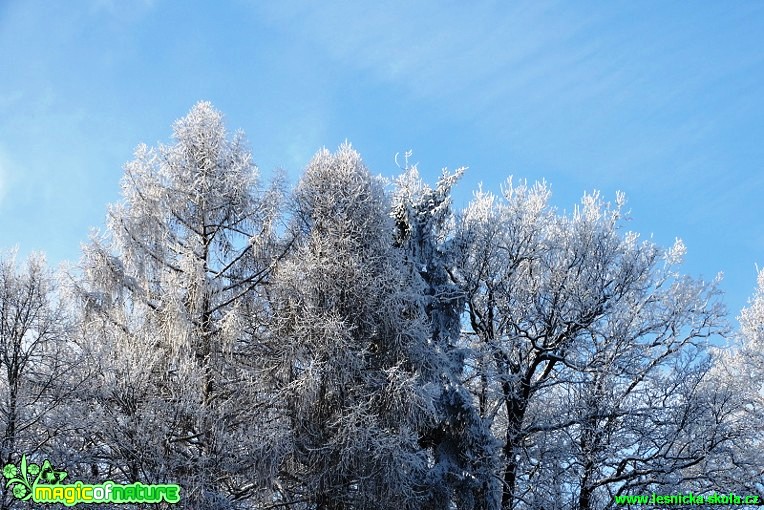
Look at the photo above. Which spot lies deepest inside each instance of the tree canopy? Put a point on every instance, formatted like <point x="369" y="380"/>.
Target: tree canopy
<point x="357" y="343"/>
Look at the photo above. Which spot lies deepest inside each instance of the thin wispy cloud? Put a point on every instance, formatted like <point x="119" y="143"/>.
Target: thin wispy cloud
<point x="587" y="79"/>
<point x="3" y="178"/>
<point x="430" y="51"/>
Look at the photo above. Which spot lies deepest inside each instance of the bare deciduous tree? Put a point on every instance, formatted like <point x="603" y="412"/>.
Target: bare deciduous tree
<point x="33" y="359"/>
<point x="567" y="303"/>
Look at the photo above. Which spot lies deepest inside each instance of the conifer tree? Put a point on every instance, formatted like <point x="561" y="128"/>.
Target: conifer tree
<point x="352" y="353"/>
<point x="167" y="293"/>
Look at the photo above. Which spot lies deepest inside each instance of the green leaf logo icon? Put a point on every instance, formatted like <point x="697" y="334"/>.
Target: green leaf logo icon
<point x="22" y="479"/>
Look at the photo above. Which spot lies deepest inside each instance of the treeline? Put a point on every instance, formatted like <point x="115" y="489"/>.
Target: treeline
<point x="351" y="344"/>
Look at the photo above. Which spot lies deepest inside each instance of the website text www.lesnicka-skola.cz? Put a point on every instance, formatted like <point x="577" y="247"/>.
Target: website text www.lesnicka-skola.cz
<point x="688" y="499"/>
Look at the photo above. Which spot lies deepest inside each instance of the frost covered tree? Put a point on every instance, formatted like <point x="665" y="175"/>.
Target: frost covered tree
<point x="167" y="295"/>
<point x="33" y="360"/>
<point x="351" y="348"/>
<point x="547" y="293"/>
<point x="629" y="419"/>
<point x="424" y="227"/>
<point x="462" y="446"/>
<point x="751" y="337"/>
<point x="734" y="399"/>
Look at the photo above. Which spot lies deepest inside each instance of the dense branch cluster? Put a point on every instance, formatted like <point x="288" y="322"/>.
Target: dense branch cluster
<point x="352" y="344"/>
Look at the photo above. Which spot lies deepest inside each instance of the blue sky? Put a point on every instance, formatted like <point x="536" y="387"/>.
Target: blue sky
<point x="662" y="100"/>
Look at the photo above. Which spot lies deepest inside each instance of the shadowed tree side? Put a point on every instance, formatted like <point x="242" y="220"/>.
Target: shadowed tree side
<point x="462" y="446"/>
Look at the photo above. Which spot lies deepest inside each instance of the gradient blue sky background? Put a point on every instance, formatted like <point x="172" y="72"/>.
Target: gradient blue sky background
<point x="662" y="100"/>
